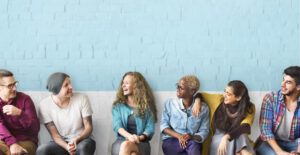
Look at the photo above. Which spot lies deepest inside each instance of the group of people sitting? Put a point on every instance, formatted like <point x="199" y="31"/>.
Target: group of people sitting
<point x="190" y="124"/>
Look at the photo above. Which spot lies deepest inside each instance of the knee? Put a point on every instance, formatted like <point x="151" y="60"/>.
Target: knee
<point x="170" y="143"/>
<point x="29" y="146"/>
<point x="86" y="148"/>
<point x="43" y="149"/>
<point x="244" y="151"/>
<point x="126" y="146"/>
<point x="166" y="147"/>
<point x="171" y="146"/>
<point x="4" y="149"/>
<point x="193" y="144"/>
<point x="265" y="148"/>
<point x="4" y="153"/>
<point x="244" y="136"/>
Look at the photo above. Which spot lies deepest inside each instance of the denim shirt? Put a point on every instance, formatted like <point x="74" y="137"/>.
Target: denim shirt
<point x="120" y="115"/>
<point x="182" y="121"/>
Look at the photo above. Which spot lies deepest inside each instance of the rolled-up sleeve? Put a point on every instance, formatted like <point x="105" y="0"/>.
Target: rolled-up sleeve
<point x="86" y="109"/>
<point x="117" y="122"/>
<point x="266" y="118"/>
<point x="28" y="118"/>
<point x="5" y="134"/>
<point x="298" y="141"/>
<point x="165" y="119"/>
<point x="149" y="128"/>
<point x="203" y="130"/>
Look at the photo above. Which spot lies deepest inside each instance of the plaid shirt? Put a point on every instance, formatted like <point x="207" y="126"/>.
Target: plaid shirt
<point x="272" y="111"/>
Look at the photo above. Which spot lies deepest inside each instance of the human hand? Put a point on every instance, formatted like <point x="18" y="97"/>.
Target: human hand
<point x="196" y="110"/>
<point x="283" y="153"/>
<point x="72" y="146"/>
<point x="295" y="153"/>
<point x="133" y="138"/>
<point x="187" y="137"/>
<point x="16" y="149"/>
<point x="183" y="139"/>
<point x="11" y="110"/>
<point x="142" y="137"/>
<point x="223" y="145"/>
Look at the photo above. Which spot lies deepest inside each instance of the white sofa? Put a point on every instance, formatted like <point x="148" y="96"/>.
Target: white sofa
<point x="101" y="103"/>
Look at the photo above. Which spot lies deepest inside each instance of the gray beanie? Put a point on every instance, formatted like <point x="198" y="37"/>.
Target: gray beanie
<point x="55" y="81"/>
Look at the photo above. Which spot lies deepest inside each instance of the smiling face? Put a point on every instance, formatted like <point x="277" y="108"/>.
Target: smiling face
<point x="6" y="91"/>
<point x="288" y="85"/>
<point x="127" y="85"/>
<point x="229" y="96"/>
<point x="183" y="91"/>
<point x="66" y="89"/>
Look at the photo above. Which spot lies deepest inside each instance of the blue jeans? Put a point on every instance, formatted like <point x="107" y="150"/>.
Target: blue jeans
<point x="265" y="148"/>
<point x="171" y="146"/>
<point x="84" y="147"/>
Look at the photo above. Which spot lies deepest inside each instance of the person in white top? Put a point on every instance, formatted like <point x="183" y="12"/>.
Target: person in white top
<point x="67" y="117"/>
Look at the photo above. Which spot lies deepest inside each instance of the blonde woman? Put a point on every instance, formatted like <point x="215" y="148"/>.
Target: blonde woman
<point x="134" y="114"/>
<point x="183" y="134"/>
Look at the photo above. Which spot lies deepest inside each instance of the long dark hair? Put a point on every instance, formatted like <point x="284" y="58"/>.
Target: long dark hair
<point x="222" y="119"/>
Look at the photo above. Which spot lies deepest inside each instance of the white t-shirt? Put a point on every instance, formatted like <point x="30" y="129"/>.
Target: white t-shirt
<point x="283" y="131"/>
<point x="68" y="121"/>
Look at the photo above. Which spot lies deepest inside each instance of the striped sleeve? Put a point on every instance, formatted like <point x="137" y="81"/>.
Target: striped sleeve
<point x="266" y="118"/>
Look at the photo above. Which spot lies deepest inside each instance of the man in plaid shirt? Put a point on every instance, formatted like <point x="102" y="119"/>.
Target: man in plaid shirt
<point x="280" y="117"/>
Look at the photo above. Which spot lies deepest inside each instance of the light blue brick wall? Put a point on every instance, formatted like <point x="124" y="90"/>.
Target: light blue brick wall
<point x="97" y="41"/>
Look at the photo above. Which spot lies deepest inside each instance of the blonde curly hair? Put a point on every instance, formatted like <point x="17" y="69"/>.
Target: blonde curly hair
<point x="191" y="81"/>
<point x="143" y="97"/>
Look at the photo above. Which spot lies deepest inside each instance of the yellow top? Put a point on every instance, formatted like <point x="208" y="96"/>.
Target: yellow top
<point x="213" y="101"/>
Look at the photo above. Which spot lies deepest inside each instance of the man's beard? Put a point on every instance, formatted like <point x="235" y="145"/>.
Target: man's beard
<point x="289" y="93"/>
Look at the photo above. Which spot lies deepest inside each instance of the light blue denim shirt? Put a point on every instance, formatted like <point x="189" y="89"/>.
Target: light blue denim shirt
<point x="182" y="121"/>
<point x="120" y="115"/>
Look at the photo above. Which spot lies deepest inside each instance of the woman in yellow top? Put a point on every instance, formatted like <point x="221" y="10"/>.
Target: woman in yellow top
<point x="231" y="121"/>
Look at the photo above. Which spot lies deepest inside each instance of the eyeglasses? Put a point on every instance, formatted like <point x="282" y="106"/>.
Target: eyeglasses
<point x="11" y="86"/>
<point x="180" y="88"/>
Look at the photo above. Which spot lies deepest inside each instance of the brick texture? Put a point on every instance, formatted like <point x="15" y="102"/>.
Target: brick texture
<point x="97" y="41"/>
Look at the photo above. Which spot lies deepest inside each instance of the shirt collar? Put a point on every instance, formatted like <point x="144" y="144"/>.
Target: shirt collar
<point x="181" y="106"/>
<point x="281" y="97"/>
<point x="9" y="102"/>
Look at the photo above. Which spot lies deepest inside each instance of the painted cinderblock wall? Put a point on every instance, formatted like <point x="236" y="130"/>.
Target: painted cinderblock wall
<point x="97" y="41"/>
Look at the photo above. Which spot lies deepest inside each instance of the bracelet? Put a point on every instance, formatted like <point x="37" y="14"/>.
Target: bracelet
<point x="145" y="139"/>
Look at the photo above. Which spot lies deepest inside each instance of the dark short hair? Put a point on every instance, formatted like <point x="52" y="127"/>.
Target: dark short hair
<point x="5" y="73"/>
<point x="55" y="81"/>
<point x="294" y="72"/>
